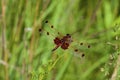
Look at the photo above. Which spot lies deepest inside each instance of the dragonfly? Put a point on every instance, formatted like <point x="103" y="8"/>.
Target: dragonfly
<point x="62" y="41"/>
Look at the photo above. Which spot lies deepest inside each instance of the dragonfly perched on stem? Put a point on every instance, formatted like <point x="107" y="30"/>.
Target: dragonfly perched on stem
<point x="63" y="41"/>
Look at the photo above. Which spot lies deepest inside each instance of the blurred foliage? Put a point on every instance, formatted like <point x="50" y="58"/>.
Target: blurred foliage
<point x="25" y="54"/>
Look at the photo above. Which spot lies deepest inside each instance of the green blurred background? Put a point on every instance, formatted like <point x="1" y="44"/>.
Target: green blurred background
<point x="25" y="54"/>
